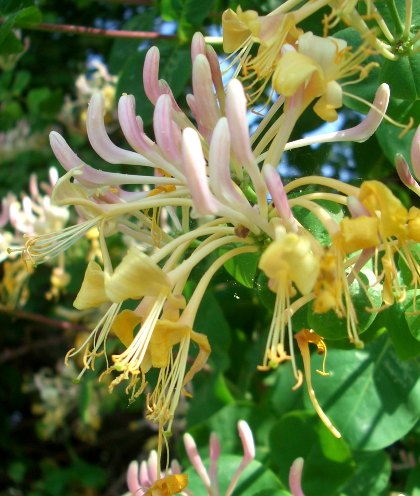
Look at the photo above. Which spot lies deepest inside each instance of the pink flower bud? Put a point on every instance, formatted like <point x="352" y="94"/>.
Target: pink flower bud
<point x="359" y="133"/>
<point x="415" y="154"/>
<point x="405" y="175"/>
<point x="195" y="459"/>
<point x="132" y="126"/>
<point x="99" y="138"/>
<point x="295" y="476"/>
<point x="205" y="100"/>
<point x="167" y="133"/>
<point x="195" y="172"/>
<point x="279" y="197"/>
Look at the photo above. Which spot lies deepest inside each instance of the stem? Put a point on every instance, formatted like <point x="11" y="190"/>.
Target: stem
<point x="408" y="18"/>
<point x="395" y="16"/>
<point x="41" y="319"/>
<point x="104" y="33"/>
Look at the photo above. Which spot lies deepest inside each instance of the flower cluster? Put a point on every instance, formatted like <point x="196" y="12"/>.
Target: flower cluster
<point x="31" y="216"/>
<point x="213" y="192"/>
<point x="145" y="479"/>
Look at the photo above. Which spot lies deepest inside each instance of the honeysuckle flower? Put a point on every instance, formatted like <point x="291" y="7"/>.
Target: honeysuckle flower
<point x="142" y="478"/>
<point x="318" y="65"/>
<point x="207" y="195"/>
<point x="289" y="263"/>
<point x="145" y="479"/>
<point x="242" y="29"/>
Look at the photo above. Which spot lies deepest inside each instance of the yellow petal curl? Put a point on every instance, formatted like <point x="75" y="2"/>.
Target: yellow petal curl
<point x="359" y="233"/>
<point x="136" y="276"/>
<point x="92" y="292"/>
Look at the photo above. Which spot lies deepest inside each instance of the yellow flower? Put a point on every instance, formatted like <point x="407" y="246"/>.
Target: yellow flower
<point x="239" y="27"/>
<point x="242" y="29"/>
<point x="288" y="261"/>
<point x="381" y="203"/>
<point x="137" y="276"/>
<point x="332" y="290"/>
<point x="359" y="233"/>
<point x="317" y="66"/>
<point x="169" y="485"/>
<point x="413" y="225"/>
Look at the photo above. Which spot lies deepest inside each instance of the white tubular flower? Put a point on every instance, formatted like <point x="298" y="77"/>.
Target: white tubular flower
<point x="100" y="140"/>
<point x="195" y="171"/>
<point x="167" y="133"/>
<point x="206" y="110"/>
<point x="359" y="133"/>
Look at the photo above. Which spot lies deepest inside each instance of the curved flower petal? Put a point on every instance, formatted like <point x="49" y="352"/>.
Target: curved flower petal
<point x="100" y="140"/>
<point x="136" y="276"/>
<point x="92" y="292"/>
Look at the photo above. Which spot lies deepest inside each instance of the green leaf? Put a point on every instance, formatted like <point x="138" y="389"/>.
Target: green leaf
<point x="330" y="326"/>
<point x="211" y="322"/>
<point x="403" y="77"/>
<point x="44" y="102"/>
<point x="243" y="268"/>
<point x="10" y="44"/>
<point x="373" y="470"/>
<point x="366" y="88"/>
<point x="225" y="423"/>
<point x="189" y="11"/>
<point x="211" y="393"/>
<point x="122" y="49"/>
<point x="389" y="136"/>
<point x="412" y="316"/>
<point x="371" y="397"/>
<point x="413" y="482"/>
<point x="9" y="6"/>
<point x="20" y="82"/>
<point x="311" y="222"/>
<point x="255" y="480"/>
<point x="395" y="321"/>
<point x="175" y="68"/>
<point x="328" y="461"/>
<point x="27" y="17"/>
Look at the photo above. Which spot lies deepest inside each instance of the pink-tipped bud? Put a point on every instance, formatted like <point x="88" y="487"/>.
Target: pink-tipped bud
<point x="195" y="459"/>
<point x="216" y="75"/>
<point x="279" y="196"/>
<point x="219" y="166"/>
<point x="153" y="86"/>
<point x="215" y="450"/>
<point x="132" y="126"/>
<point x="205" y="100"/>
<point x="195" y="172"/>
<point x="33" y="186"/>
<point x="133" y="483"/>
<point x="405" y="175"/>
<point x="236" y="106"/>
<point x="359" y="133"/>
<point x="100" y="140"/>
<point x="247" y="440"/>
<point x="152" y="466"/>
<point x="198" y="45"/>
<point x="167" y="133"/>
<point x="248" y="446"/>
<point x="415" y="154"/>
<point x="151" y="74"/>
<point x="295" y="477"/>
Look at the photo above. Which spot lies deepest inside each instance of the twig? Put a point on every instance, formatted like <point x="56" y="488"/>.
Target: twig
<point x="36" y="317"/>
<point x="11" y="354"/>
<point x="105" y="33"/>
